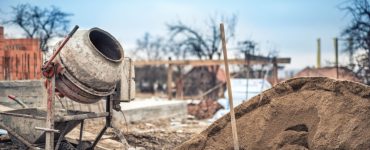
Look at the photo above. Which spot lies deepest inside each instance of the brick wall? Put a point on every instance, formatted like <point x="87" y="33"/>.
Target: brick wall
<point x="20" y="59"/>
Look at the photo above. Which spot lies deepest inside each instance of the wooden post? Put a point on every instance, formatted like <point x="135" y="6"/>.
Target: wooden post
<point x="318" y="63"/>
<point x="28" y="67"/>
<point x="275" y="71"/>
<point x="232" y="113"/>
<point x="180" y="85"/>
<point x="336" y="55"/>
<point x="35" y="66"/>
<point x="49" y="142"/>
<point x="16" y="66"/>
<point x="169" y="80"/>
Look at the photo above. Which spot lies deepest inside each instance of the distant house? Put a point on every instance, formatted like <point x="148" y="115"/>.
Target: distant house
<point x="201" y="79"/>
<point x="20" y="59"/>
<point x="150" y="79"/>
<point x="331" y="72"/>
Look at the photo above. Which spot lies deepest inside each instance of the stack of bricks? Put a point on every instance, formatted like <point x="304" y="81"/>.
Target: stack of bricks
<point x="20" y="59"/>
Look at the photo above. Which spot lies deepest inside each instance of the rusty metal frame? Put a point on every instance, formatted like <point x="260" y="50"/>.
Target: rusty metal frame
<point x="61" y="136"/>
<point x="108" y="119"/>
<point x="50" y="71"/>
<point x="80" y="138"/>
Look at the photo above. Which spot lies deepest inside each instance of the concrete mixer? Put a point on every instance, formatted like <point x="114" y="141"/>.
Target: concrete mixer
<point x="87" y="66"/>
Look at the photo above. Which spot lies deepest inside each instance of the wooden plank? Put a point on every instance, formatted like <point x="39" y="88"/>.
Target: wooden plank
<point x="231" y="105"/>
<point x="211" y="62"/>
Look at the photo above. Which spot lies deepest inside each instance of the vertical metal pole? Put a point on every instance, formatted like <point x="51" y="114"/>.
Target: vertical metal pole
<point x="81" y="134"/>
<point x="336" y="55"/>
<point x="108" y="120"/>
<point x="318" y="65"/>
<point x="49" y="141"/>
<point x="232" y="113"/>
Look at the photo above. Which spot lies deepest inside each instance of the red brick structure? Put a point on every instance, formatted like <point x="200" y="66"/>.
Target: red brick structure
<point x="330" y="72"/>
<point x="20" y="59"/>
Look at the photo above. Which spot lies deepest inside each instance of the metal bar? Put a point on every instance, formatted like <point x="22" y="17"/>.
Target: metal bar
<point x="82" y="116"/>
<point x="62" y="134"/>
<point x="98" y="138"/>
<point x="79" y="147"/>
<point x="229" y="90"/>
<point x="21" y="139"/>
<point x="23" y="115"/>
<point x="107" y="122"/>
<point x="108" y="110"/>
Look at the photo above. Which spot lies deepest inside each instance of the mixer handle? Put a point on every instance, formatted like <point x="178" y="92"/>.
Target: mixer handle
<point x="73" y="31"/>
<point x="60" y="47"/>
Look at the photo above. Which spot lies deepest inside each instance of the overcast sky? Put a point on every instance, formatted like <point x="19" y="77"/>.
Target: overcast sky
<point x="291" y="26"/>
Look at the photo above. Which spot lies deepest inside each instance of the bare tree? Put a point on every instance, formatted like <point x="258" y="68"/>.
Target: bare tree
<point x="40" y="23"/>
<point x="150" y="48"/>
<point x="358" y="35"/>
<point x="202" y="44"/>
<point x="248" y="47"/>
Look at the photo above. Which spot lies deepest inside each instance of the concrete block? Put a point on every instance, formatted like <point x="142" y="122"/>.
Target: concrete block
<point x="145" y="110"/>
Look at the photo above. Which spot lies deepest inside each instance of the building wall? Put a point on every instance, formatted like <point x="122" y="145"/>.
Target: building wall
<point x="31" y="92"/>
<point x="20" y="59"/>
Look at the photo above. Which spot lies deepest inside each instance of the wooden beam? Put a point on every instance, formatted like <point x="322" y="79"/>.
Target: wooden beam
<point x="229" y="90"/>
<point x="211" y="62"/>
<point x="169" y="81"/>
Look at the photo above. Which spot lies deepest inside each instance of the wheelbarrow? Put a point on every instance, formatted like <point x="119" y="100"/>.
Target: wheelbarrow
<point x="25" y="126"/>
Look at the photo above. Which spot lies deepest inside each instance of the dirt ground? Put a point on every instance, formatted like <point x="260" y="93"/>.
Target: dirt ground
<point x="302" y="113"/>
<point x="156" y="134"/>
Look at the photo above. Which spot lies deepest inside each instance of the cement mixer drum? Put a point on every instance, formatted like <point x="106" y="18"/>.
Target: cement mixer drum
<point x="91" y="60"/>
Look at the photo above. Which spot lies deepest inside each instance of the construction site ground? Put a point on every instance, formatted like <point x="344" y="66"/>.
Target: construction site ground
<point x="156" y="134"/>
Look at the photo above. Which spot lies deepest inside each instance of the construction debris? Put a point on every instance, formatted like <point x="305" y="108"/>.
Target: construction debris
<point x="301" y="113"/>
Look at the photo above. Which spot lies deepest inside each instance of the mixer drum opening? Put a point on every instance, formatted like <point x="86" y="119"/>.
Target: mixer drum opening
<point x="105" y="44"/>
<point x="91" y="60"/>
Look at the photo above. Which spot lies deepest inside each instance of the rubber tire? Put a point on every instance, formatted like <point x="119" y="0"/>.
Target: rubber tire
<point x="65" y="145"/>
<point x="17" y="143"/>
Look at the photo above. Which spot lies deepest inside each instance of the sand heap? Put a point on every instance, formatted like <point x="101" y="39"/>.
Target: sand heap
<point x="301" y="113"/>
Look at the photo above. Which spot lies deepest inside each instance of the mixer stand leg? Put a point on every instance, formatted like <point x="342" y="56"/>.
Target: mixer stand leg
<point x="108" y="119"/>
<point x="81" y="131"/>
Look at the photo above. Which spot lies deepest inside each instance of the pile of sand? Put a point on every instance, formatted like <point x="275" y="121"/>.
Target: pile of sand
<point x="301" y="113"/>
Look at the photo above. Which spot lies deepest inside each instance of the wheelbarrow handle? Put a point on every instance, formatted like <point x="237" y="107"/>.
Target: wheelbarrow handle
<point x="18" y="101"/>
